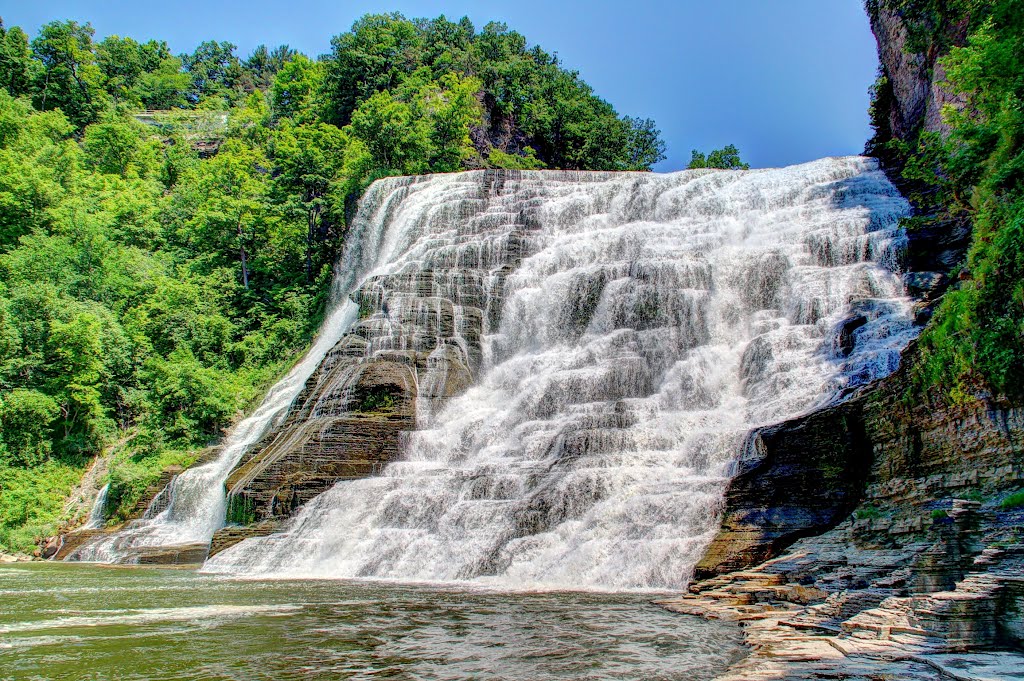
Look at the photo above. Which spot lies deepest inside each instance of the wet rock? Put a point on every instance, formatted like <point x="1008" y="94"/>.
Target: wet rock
<point x="153" y="500"/>
<point x="416" y="344"/>
<point x="50" y="548"/>
<point x="844" y="334"/>
<point x="71" y="541"/>
<point x="227" y="537"/>
<point x="925" y="284"/>
<point x="175" y="554"/>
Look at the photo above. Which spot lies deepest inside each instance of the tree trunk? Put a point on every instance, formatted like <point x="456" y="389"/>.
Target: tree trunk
<point x="244" y="258"/>
<point x="312" y="223"/>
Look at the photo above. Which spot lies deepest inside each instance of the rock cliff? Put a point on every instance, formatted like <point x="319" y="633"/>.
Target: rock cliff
<point x="908" y="103"/>
<point x="909" y="53"/>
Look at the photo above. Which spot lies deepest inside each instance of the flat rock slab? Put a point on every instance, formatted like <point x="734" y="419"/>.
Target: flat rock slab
<point x="783" y="647"/>
<point x="1002" y="666"/>
<point x="174" y="554"/>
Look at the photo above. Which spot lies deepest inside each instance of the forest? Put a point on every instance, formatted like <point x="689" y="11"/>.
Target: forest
<point x="169" y="223"/>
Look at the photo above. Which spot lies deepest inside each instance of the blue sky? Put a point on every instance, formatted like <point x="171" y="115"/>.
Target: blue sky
<point x="785" y="80"/>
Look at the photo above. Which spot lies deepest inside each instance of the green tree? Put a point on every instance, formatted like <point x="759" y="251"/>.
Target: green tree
<point x="25" y="420"/>
<point x="165" y="87"/>
<point x="16" y="65"/>
<point x="263" y="64"/>
<point x="644" y="146"/>
<point x="194" y="401"/>
<point x="727" y="158"/>
<point x="310" y="161"/>
<point x="296" y="89"/>
<point x="37" y="159"/>
<point x="115" y="147"/>
<point x="376" y="55"/>
<point x="121" y="62"/>
<point x="70" y="79"/>
<point x="395" y="138"/>
<point x="75" y="364"/>
<point x="451" y="109"/>
<point x="447" y="46"/>
<point x="231" y="216"/>
<point x="214" y="70"/>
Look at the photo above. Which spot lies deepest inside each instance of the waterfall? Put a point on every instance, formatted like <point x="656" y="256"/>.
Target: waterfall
<point x="96" y="513"/>
<point x="633" y="328"/>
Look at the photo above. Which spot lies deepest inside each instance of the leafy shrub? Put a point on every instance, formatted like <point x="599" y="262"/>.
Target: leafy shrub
<point x="378" y="399"/>
<point x="25" y="419"/>
<point x="867" y="512"/>
<point x="527" y="161"/>
<point x="1013" y="501"/>
<point x="32" y="501"/>
<point x="132" y="473"/>
<point x="973" y="495"/>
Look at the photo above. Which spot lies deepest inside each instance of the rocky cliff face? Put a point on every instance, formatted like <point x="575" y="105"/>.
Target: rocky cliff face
<point x="914" y="76"/>
<point x="923" y="576"/>
<point x="908" y="103"/>
<point x="798" y="478"/>
<point x="905" y="463"/>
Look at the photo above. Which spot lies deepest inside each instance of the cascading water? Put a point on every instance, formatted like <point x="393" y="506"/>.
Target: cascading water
<point x="652" y="321"/>
<point x="96" y="513"/>
<point x="192" y="507"/>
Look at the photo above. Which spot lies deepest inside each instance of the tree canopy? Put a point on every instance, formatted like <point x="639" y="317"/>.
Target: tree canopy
<point x="727" y="158"/>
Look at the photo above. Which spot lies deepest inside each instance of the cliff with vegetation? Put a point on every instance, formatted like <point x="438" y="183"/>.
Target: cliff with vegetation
<point x="169" y="223"/>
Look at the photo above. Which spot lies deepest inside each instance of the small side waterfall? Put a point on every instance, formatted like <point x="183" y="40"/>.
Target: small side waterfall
<point x="650" y="322"/>
<point x="96" y="513"/>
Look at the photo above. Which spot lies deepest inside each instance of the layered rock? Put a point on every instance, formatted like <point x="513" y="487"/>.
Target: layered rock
<point x="796" y="479"/>
<point x="909" y="101"/>
<point x="913" y="70"/>
<point x="917" y="580"/>
<point x="905" y="461"/>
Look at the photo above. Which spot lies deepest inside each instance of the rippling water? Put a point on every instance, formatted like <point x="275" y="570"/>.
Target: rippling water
<point x="76" y="622"/>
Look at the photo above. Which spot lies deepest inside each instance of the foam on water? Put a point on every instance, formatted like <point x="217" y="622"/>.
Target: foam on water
<point x="653" y="322"/>
<point x="203" y="613"/>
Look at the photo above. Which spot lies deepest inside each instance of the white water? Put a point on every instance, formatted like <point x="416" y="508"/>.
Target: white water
<point x="654" y="320"/>
<point x="193" y="506"/>
<point x="96" y="519"/>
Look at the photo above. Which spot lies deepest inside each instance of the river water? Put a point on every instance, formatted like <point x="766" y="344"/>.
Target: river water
<point x="91" y="622"/>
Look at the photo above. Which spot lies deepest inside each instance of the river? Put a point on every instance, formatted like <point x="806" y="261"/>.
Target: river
<point x="93" y="622"/>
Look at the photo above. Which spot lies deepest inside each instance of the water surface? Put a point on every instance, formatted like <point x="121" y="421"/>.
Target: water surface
<point x="90" y="622"/>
